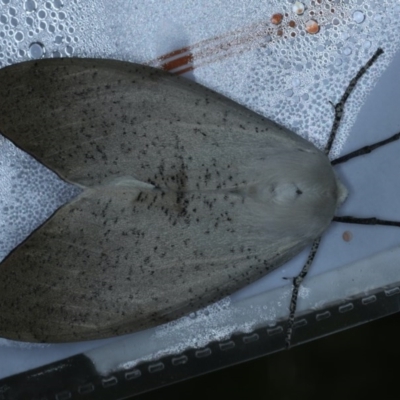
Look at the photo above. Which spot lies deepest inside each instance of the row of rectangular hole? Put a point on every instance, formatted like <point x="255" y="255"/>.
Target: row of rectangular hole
<point x="206" y="352"/>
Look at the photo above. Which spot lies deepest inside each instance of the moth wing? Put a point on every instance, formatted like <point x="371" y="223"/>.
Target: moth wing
<point x="187" y="197"/>
<point x="117" y="261"/>
<point x="94" y="120"/>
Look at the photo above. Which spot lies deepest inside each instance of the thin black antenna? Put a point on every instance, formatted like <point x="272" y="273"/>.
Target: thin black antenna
<point x="336" y="122"/>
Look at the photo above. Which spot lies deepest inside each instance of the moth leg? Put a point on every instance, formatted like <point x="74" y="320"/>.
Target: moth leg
<point x="299" y="278"/>
<point x="365" y="221"/>
<point x="295" y="291"/>
<point x="366" y="149"/>
<point x="338" y="107"/>
<point x="337" y="118"/>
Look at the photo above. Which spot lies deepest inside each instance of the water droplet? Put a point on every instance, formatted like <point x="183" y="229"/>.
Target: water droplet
<point x="58" y="39"/>
<point x="312" y="26"/>
<point x="345" y="36"/>
<point x="289" y="93"/>
<point x="298" y="8"/>
<point x="48" y="5"/>
<point x="338" y="61"/>
<point x="19" y="36"/>
<point x="71" y="29"/>
<point x="56" y="54"/>
<point x="42" y="14"/>
<point x="296" y="82"/>
<point x="69" y="50"/>
<point x="347" y="51"/>
<point x="276" y="19"/>
<point x="367" y="44"/>
<point x="12" y="11"/>
<point x="43" y="25"/>
<point x="51" y="28"/>
<point x="21" y="53"/>
<point x="14" y="22"/>
<point x="3" y="19"/>
<point x="347" y="236"/>
<point x="36" y="50"/>
<point x="358" y="16"/>
<point x="58" y="4"/>
<point x="61" y="15"/>
<point x="299" y="67"/>
<point x="29" y="21"/>
<point x="5" y="1"/>
<point x="30" y="5"/>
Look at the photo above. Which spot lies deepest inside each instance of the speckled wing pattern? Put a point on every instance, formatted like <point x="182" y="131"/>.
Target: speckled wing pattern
<point x="187" y="197"/>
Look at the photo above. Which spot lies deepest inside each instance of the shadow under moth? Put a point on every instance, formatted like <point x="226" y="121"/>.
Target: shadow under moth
<point x="185" y="198"/>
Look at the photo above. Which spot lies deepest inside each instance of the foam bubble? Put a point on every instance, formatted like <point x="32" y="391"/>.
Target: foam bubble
<point x="358" y="16"/>
<point x="42" y="14"/>
<point x="58" y="4"/>
<point x="36" y="50"/>
<point x="30" y="5"/>
<point x="19" y="36"/>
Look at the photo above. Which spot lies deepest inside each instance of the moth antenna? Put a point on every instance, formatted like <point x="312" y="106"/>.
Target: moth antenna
<point x="365" y="150"/>
<point x="365" y="221"/>
<point x="336" y="122"/>
<point x="338" y="107"/>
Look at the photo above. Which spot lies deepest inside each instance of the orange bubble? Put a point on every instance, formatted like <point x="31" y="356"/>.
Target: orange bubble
<point x="347" y="236"/>
<point x="276" y="19"/>
<point x="312" y="26"/>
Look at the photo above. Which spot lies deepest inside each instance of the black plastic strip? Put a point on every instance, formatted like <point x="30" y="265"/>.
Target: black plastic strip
<point x="76" y="377"/>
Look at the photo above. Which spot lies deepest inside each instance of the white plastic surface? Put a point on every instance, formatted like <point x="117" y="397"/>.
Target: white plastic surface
<point x="233" y="48"/>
